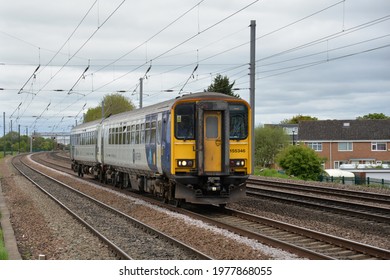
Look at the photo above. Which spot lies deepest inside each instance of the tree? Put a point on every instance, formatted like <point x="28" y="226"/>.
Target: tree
<point x="222" y="85"/>
<point x="300" y="161"/>
<point x="296" y="119"/>
<point x="114" y="103"/>
<point x="11" y="142"/>
<point x="268" y="143"/>
<point x="374" y="116"/>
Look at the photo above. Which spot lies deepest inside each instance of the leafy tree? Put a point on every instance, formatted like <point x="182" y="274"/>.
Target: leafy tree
<point x="268" y="143"/>
<point x="11" y="142"/>
<point x="374" y="116"/>
<point x="114" y="103"/>
<point x="296" y="119"/>
<point x="222" y="85"/>
<point x="300" y="161"/>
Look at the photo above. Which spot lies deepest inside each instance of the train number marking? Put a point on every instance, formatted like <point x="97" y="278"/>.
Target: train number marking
<point x="236" y="151"/>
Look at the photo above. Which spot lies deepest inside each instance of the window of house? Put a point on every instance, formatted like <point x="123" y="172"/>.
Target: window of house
<point x="378" y="146"/>
<point x="345" y="146"/>
<point x="316" y="146"/>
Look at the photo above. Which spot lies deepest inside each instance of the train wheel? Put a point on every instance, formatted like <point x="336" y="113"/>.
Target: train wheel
<point x="179" y="202"/>
<point x="80" y="170"/>
<point x="101" y="176"/>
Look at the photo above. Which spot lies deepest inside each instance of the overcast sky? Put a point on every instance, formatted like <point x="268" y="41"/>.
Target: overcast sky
<point x="327" y="59"/>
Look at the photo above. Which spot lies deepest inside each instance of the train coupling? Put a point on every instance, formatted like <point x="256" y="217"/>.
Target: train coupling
<point x="213" y="184"/>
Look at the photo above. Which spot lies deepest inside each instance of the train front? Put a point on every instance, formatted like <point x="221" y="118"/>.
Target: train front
<point x="210" y="158"/>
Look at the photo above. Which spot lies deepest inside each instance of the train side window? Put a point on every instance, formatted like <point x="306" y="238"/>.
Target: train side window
<point x="120" y="134"/>
<point x="116" y="139"/>
<point x="147" y="132"/>
<point x="137" y="134"/>
<point x="159" y="132"/>
<point x="127" y="136"/>
<point x="142" y="136"/>
<point x="132" y="134"/>
<point x="185" y="121"/>
<point x="153" y="132"/>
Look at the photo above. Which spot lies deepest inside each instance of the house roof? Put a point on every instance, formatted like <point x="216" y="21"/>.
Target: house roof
<point x="344" y="130"/>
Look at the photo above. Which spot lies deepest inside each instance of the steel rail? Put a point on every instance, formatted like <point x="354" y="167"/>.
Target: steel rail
<point x="137" y="223"/>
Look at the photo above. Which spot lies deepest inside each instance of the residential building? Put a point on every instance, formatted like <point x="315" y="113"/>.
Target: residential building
<point x="353" y="142"/>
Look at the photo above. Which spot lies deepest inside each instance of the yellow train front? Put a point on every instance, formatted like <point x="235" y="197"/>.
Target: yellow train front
<point x="210" y="148"/>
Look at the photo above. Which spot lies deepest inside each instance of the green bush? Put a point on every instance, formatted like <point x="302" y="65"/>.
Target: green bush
<point x="3" y="252"/>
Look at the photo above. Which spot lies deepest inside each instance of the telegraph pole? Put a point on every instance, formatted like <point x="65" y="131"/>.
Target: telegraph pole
<point x="4" y="132"/>
<point x="252" y="87"/>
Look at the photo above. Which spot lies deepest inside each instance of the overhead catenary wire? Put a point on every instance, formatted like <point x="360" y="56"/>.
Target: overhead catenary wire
<point x="215" y="69"/>
<point x="32" y="75"/>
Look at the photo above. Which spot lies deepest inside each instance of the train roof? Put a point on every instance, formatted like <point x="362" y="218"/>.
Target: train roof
<point x="158" y="107"/>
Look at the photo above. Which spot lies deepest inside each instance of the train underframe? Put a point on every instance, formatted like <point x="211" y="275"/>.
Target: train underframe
<point x="218" y="190"/>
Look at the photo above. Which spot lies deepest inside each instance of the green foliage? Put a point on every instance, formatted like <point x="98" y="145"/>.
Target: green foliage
<point x="3" y="252"/>
<point x="296" y="119"/>
<point x="114" y="103"/>
<point x="300" y="161"/>
<point x="268" y="143"/>
<point x="222" y="85"/>
<point x="11" y="142"/>
<point x="374" y="116"/>
<point x="266" y="172"/>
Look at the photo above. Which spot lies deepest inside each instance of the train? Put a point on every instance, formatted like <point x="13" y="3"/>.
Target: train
<point x="192" y="149"/>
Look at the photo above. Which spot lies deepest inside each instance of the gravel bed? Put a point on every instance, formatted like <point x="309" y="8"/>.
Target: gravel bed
<point x="214" y="242"/>
<point x="50" y="231"/>
<point x="373" y="233"/>
<point x="42" y="227"/>
<point x="117" y="228"/>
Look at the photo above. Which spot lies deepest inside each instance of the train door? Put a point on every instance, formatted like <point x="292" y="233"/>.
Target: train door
<point x="98" y="143"/>
<point x="213" y="134"/>
<point x="158" y="142"/>
<point x="212" y="141"/>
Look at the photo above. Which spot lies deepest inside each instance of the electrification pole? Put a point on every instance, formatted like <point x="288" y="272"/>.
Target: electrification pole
<point x="252" y="87"/>
<point x="141" y="89"/>
<point x="4" y="132"/>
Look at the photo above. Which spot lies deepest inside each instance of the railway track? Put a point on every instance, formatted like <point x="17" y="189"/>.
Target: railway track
<point x="126" y="236"/>
<point x="361" y="205"/>
<point x="303" y="242"/>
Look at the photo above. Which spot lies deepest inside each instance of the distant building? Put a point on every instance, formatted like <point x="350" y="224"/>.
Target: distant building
<point x="290" y="129"/>
<point x="353" y="142"/>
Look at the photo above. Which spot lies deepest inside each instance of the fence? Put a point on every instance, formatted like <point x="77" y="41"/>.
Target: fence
<point x="356" y="181"/>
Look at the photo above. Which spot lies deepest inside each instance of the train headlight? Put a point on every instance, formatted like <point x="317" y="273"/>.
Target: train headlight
<point x="185" y="162"/>
<point x="237" y="162"/>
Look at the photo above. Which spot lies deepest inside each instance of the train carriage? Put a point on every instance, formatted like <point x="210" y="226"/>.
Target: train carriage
<point x="83" y="146"/>
<point x="195" y="148"/>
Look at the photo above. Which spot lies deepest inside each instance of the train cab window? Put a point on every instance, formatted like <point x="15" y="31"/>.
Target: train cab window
<point x="185" y="121"/>
<point x="238" y="121"/>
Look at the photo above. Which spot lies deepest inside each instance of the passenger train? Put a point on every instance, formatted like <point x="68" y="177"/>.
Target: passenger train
<point x="195" y="148"/>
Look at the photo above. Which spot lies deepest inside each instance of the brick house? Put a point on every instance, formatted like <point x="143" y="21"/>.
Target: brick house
<point x="348" y="141"/>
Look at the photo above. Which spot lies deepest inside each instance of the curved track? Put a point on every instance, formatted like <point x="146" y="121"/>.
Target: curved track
<point x="305" y="243"/>
<point x="362" y="205"/>
<point x="128" y="237"/>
